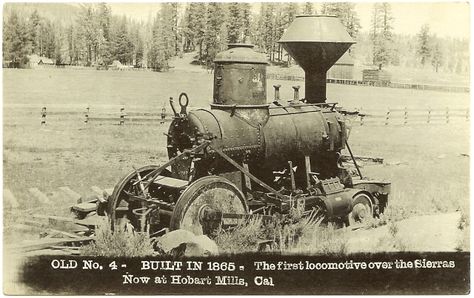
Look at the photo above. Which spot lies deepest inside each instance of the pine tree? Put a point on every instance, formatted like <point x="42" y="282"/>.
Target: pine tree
<point x="87" y="33"/>
<point x="139" y="52"/>
<point x="104" y="19"/>
<point x="173" y="20"/>
<point x="345" y="11"/>
<point x="308" y="8"/>
<point x="194" y="27"/>
<point x="235" y="24"/>
<point x="58" y="48"/>
<point x="168" y="24"/>
<point x="156" y="57"/>
<point x="215" y="37"/>
<point x="48" y="38"/>
<point x="290" y="12"/>
<point x="164" y="38"/>
<point x="238" y="24"/>
<point x="424" y="49"/>
<point x="16" y="43"/>
<point x="267" y="29"/>
<point x="281" y="23"/>
<point x="73" y="49"/>
<point x="246" y="20"/>
<point x="437" y="58"/>
<point x="187" y="29"/>
<point x="35" y="32"/>
<point x="381" y="34"/>
<point x="122" y="45"/>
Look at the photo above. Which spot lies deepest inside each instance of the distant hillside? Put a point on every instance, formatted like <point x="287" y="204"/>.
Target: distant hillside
<point x="62" y="12"/>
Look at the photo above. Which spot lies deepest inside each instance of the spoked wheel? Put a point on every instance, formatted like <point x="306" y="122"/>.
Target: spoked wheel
<point x="205" y="195"/>
<point x="362" y="209"/>
<point x="122" y="206"/>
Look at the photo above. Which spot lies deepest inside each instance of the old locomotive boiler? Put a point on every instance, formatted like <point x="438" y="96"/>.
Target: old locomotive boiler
<point x="244" y="156"/>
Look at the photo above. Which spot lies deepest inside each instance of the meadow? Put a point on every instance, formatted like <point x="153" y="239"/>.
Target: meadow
<point x="144" y="90"/>
<point x="428" y="165"/>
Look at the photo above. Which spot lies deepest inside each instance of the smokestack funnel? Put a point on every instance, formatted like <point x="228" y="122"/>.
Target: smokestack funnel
<point x="316" y="43"/>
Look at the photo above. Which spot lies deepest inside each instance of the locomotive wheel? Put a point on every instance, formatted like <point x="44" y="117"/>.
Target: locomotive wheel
<point x="207" y="193"/>
<point x="362" y="209"/>
<point x="119" y="205"/>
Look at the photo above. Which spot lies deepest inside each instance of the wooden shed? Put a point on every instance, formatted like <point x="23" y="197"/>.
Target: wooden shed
<point x="39" y="61"/>
<point x="343" y="68"/>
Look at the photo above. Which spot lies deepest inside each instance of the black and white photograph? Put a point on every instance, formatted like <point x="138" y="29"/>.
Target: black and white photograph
<point x="236" y="148"/>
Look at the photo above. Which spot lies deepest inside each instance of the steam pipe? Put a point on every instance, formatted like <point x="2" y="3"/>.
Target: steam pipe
<point x="315" y="87"/>
<point x="277" y="92"/>
<point x="296" y="94"/>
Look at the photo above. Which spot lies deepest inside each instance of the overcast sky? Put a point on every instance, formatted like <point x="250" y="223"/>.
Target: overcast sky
<point x="444" y="18"/>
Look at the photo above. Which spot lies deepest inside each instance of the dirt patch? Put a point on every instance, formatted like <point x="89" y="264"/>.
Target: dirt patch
<point x="429" y="233"/>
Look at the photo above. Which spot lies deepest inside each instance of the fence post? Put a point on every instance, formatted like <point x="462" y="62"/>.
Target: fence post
<point x="163" y="115"/>
<point x="429" y="115"/>
<point x="405" y="116"/>
<point x="86" y="120"/>
<point x="447" y="115"/>
<point x="43" y="116"/>
<point x="387" y="117"/>
<point x="361" y="117"/>
<point x="122" y="116"/>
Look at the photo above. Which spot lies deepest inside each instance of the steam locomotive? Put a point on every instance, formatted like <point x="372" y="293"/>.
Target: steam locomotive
<point x="245" y="156"/>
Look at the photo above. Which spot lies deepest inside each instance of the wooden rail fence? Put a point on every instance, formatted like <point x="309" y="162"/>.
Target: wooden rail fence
<point x="406" y="116"/>
<point x="389" y="116"/>
<point x="120" y="117"/>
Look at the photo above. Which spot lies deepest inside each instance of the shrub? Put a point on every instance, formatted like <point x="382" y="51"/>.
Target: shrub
<point x="322" y="240"/>
<point x="123" y="241"/>
<point x="464" y="227"/>
<point x="242" y="238"/>
<point x="290" y="233"/>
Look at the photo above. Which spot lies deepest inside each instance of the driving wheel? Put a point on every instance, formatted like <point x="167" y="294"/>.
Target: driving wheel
<point x="362" y="209"/>
<point x="206" y="195"/>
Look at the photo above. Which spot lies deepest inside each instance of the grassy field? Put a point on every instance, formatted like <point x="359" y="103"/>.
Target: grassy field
<point x="427" y="164"/>
<point x="81" y="88"/>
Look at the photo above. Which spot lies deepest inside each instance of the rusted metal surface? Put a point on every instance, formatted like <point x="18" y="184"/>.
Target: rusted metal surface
<point x="280" y="155"/>
<point x="240" y="76"/>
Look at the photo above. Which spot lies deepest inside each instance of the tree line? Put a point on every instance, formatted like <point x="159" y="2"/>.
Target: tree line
<point x="423" y="50"/>
<point x="96" y="37"/>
